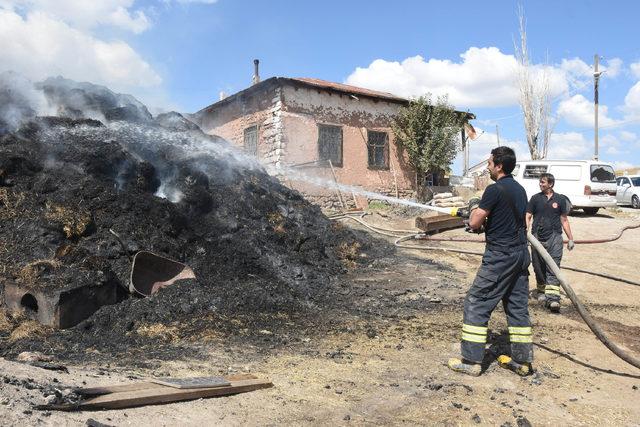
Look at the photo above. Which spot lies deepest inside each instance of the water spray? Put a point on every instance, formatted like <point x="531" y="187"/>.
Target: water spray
<point x="328" y="184"/>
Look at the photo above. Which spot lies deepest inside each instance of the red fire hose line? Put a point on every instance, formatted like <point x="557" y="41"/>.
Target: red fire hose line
<point x="586" y="316"/>
<point x="583" y="242"/>
<point x="419" y="236"/>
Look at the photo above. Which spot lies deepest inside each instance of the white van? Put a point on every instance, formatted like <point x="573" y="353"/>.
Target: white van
<point x="589" y="184"/>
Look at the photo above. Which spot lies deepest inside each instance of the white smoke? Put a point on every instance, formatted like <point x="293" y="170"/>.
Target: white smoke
<point x="19" y="101"/>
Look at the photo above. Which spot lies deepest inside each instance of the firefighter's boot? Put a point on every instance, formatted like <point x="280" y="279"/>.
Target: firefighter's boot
<point x="464" y="367"/>
<point x="522" y="369"/>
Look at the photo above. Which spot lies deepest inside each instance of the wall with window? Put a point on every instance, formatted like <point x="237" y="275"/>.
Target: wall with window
<point x="354" y="134"/>
<point x="303" y="127"/>
<point x="250" y="121"/>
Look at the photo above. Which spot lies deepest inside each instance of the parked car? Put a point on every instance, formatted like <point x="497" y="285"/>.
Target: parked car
<point x="589" y="184"/>
<point x="628" y="192"/>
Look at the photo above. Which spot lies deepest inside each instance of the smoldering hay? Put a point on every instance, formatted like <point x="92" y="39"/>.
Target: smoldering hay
<point x="101" y="161"/>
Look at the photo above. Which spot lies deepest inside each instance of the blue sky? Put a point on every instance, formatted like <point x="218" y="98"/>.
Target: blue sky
<point x="179" y="54"/>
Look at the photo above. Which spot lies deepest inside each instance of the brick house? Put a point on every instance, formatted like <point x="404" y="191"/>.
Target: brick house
<point x="330" y="131"/>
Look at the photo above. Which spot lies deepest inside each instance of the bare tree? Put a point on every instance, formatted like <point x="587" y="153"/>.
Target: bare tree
<point x="535" y="99"/>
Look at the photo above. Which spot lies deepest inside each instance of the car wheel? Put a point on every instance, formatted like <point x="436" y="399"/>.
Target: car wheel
<point x="635" y="202"/>
<point x="591" y="211"/>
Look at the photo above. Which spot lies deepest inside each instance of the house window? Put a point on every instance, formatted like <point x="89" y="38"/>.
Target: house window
<point x="251" y="141"/>
<point x="378" y="150"/>
<point x="330" y="144"/>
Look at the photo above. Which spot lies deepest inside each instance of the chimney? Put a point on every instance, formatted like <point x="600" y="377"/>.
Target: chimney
<point x="256" y="74"/>
<point x="222" y="95"/>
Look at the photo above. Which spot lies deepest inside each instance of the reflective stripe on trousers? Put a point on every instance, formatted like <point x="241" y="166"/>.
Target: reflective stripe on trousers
<point x="503" y="276"/>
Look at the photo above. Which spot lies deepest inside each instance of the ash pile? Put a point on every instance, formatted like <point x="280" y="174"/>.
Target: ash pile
<point x="102" y="162"/>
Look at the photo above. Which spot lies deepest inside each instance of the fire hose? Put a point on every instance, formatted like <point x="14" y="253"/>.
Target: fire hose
<point x="402" y="237"/>
<point x="586" y="316"/>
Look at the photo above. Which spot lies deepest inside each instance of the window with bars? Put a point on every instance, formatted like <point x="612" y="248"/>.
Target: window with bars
<point x="251" y="141"/>
<point x="330" y="144"/>
<point x="378" y="150"/>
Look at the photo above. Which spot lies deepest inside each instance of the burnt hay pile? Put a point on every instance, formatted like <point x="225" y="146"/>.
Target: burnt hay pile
<point x="164" y="186"/>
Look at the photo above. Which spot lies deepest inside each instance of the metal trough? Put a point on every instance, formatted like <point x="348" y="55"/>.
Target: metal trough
<point x="151" y="272"/>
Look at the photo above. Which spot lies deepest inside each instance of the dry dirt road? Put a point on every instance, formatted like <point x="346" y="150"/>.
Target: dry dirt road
<point x="382" y="360"/>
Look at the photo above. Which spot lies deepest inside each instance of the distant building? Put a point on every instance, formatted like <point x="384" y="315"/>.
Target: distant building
<point x="321" y="128"/>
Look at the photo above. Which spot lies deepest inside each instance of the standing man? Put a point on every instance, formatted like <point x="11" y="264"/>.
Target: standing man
<point x="549" y="211"/>
<point x="503" y="275"/>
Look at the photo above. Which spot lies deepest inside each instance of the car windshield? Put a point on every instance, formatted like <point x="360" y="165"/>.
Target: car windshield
<point x="636" y="181"/>
<point x="602" y="173"/>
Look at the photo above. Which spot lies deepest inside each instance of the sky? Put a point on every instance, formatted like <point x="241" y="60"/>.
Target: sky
<point x="180" y="54"/>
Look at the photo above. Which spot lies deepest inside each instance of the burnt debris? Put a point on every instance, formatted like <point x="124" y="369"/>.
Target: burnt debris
<point x="164" y="186"/>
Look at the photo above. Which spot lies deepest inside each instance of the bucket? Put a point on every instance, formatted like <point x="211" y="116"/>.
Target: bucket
<point x="151" y="272"/>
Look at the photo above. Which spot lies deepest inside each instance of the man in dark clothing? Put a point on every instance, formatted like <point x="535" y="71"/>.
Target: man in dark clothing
<point x="503" y="275"/>
<point x="549" y="211"/>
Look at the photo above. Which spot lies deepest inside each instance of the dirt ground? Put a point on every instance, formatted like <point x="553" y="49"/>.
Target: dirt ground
<point x="379" y="359"/>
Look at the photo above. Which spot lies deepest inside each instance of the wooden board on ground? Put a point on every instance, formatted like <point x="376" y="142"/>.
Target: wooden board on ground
<point x="194" y="382"/>
<point x="150" y="393"/>
<point x="435" y="224"/>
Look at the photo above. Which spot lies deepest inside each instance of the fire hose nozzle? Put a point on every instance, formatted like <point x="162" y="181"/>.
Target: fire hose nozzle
<point x="465" y="211"/>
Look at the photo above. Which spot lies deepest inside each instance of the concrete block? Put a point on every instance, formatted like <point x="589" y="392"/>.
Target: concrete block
<point x="60" y="309"/>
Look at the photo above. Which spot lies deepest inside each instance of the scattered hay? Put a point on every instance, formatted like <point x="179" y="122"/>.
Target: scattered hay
<point x="75" y="222"/>
<point x="6" y="323"/>
<point x="30" y="273"/>
<point x="10" y="203"/>
<point x="348" y="253"/>
<point x="29" y="329"/>
<point x="158" y="331"/>
<point x="277" y="222"/>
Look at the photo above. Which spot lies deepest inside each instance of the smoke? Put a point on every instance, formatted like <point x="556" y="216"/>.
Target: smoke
<point x="179" y="161"/>
<point x="19" y="101"/>
<point x="22" y="100"/>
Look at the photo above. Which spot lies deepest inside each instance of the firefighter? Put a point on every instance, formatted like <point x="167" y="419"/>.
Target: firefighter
<point x="503" y="274"/>
<point x="549" y="211"/>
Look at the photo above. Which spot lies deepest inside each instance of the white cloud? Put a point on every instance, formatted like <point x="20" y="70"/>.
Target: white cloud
<point x="579" y="111"/>
<point x="484" y="77"/>
<point x="619" y="165"/>
<point x="627" y="136"/>
<point x="635" y="69"/>
<point x="611" y="145"/>
<point x="86" y="14"/>
<point x="480" y="148"/>
<point x="569" y="145"/>
<point x="612" y="67"/>
<point x="632" y="102"/>
<point x="37" y="46"/>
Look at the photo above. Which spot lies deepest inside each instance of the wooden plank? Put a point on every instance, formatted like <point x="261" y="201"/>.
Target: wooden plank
<point x="142" y="385"/>
<point x="164" y="394"/>
<point x="193" y="382"/>
<point x="431" y="224"/>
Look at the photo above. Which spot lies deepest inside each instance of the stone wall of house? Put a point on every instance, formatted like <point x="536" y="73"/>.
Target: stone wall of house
<point x="264" y="110"/>
<point x="305" y="108"/>
<point x="287" y="118"/>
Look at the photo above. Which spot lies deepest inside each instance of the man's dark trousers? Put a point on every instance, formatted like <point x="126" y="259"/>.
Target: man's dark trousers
<point x="544" y="275"/>
<point x="503" y="276"/>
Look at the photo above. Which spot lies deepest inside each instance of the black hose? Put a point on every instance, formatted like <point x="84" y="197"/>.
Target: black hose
<point x="586" y="316"/>
<point x="606" y="276"/>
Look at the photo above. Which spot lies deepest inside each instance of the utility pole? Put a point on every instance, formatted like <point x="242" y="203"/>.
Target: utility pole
<point x="498" y="135"/>
<point x="596" y="78"/>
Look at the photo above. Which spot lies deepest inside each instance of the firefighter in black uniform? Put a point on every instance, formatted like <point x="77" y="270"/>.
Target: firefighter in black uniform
<point x="503" y="275"/>
<point x="549" y="211"/>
